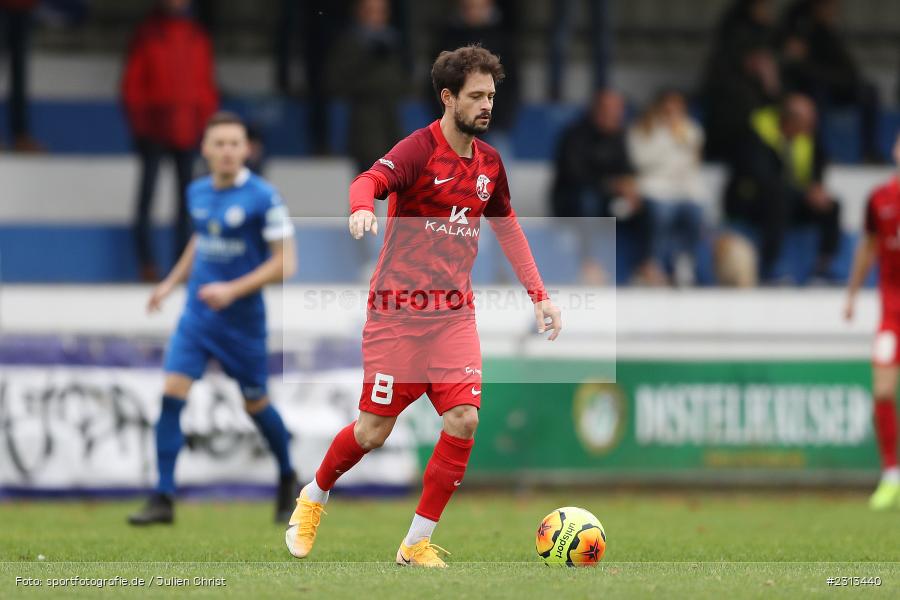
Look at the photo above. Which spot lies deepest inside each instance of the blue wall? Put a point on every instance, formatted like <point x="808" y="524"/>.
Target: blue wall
<point x="99" y="127"/>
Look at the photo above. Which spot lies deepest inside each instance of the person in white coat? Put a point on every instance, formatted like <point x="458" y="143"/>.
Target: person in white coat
<point x="665" y="145"/>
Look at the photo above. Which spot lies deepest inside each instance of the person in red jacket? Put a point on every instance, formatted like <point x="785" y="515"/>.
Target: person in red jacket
<point x="15" y="29"/>
<point x="169" y="93"/>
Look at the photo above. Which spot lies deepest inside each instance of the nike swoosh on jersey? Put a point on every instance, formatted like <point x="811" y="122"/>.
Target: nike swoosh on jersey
<point x="474" y="392"/>
<point x="440" y="181"/>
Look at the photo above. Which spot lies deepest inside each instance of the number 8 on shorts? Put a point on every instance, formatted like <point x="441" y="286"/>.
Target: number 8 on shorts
<point x="383" y="388"/>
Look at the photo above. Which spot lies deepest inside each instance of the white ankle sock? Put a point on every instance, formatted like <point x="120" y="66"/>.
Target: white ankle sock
<point x="315" y="493"/>
<point x="420" y="529"/>
<point x="891" y="475"/>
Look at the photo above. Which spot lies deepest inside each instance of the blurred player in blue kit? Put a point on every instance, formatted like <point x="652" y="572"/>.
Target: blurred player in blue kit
<point x="243" y="239"/>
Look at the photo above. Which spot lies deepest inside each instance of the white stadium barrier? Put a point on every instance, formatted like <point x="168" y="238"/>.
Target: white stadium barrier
<point x="64" y="420"/>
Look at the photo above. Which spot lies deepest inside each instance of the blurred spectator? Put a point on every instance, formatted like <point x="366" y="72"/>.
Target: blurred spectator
<point x="482" y="22"/>
<point x="15" y="30"/>
<point x="169" y="92"/>
<point x="730" y="97"/>
<point x="665" y="145"/>
<point x="777" y="182"/>
<point x="818" y="63"/>
<point x="562" y="31"/>
<point x="283" y="48"/>
<point x="207" y="14"/>
<point x="741" y="73"/>
<point x="320" y="23"/>
<point x="595" y="178"/>
<point x="366" y="67"/>
<point x="746" y="24"/>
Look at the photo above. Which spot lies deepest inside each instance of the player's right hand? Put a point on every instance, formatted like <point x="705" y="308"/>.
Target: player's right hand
<point x="362" y="221"/>
<point x="159" y="294"/>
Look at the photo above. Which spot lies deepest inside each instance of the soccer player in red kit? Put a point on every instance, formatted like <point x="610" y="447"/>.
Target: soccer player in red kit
<point x="882" y="242"/>
<point x="420" y="336"/>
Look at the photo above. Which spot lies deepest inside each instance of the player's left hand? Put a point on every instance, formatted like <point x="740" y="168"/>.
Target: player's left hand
<point x="849" y="308"/>
<point x="548" y="316"/>
<point x="216" y="295"/>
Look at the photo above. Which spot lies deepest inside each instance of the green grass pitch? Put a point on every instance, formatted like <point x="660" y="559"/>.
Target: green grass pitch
<point x="692" y="545"/>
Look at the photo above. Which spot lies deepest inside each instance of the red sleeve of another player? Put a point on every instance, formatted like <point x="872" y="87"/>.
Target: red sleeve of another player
<point x="394" y="172"/>
<point x="871" y="221"/>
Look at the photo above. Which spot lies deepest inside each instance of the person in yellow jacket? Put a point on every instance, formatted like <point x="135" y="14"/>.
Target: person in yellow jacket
<point x="777" y="182"/>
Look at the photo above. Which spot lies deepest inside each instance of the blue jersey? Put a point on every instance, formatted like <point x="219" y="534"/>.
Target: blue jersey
<point x="233" y="229"/>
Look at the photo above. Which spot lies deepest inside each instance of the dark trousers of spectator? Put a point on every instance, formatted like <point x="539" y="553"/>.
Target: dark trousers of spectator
<point x="677" y="227"/>
<point x="777" y="207"/>
<point x="827" y="221"/>
<point x="636" y="229"/>
<point x="15" y="29"/>
<point x="283" y="46"/>
<point x="151" y="155"/>
<point x="320" y="23"/>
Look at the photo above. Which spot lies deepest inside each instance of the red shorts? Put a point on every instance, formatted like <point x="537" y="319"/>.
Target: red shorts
<point x="884" y="350"/>
<point x="403" y="360"/>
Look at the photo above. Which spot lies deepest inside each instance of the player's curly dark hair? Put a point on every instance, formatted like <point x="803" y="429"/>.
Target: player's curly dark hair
<point x="452" y="67"/>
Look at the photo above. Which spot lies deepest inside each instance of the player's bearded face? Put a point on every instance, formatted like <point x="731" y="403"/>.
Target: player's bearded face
<point x="474" y="125"/>
<point x="474" y="104"/>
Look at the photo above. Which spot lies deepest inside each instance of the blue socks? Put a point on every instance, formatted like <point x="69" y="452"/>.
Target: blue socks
<point x="169" y="440"/>
<point x="269" y="423"/>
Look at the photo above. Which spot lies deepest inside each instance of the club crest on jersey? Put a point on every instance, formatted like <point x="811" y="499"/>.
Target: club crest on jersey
<point x="481" y="187"/>
<point x="234" y="216"/>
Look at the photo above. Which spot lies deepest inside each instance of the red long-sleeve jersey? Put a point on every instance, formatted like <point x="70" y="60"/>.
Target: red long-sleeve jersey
<point x="436" y="199"/>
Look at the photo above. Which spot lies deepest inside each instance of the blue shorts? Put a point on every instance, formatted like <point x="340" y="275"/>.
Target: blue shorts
<point x="243" y="358"/>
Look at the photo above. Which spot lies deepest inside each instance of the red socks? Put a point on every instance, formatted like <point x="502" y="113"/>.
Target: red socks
<point x="886" y="431"/>
<point x="443" y="474"/>
<point x="340" y="458"/>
